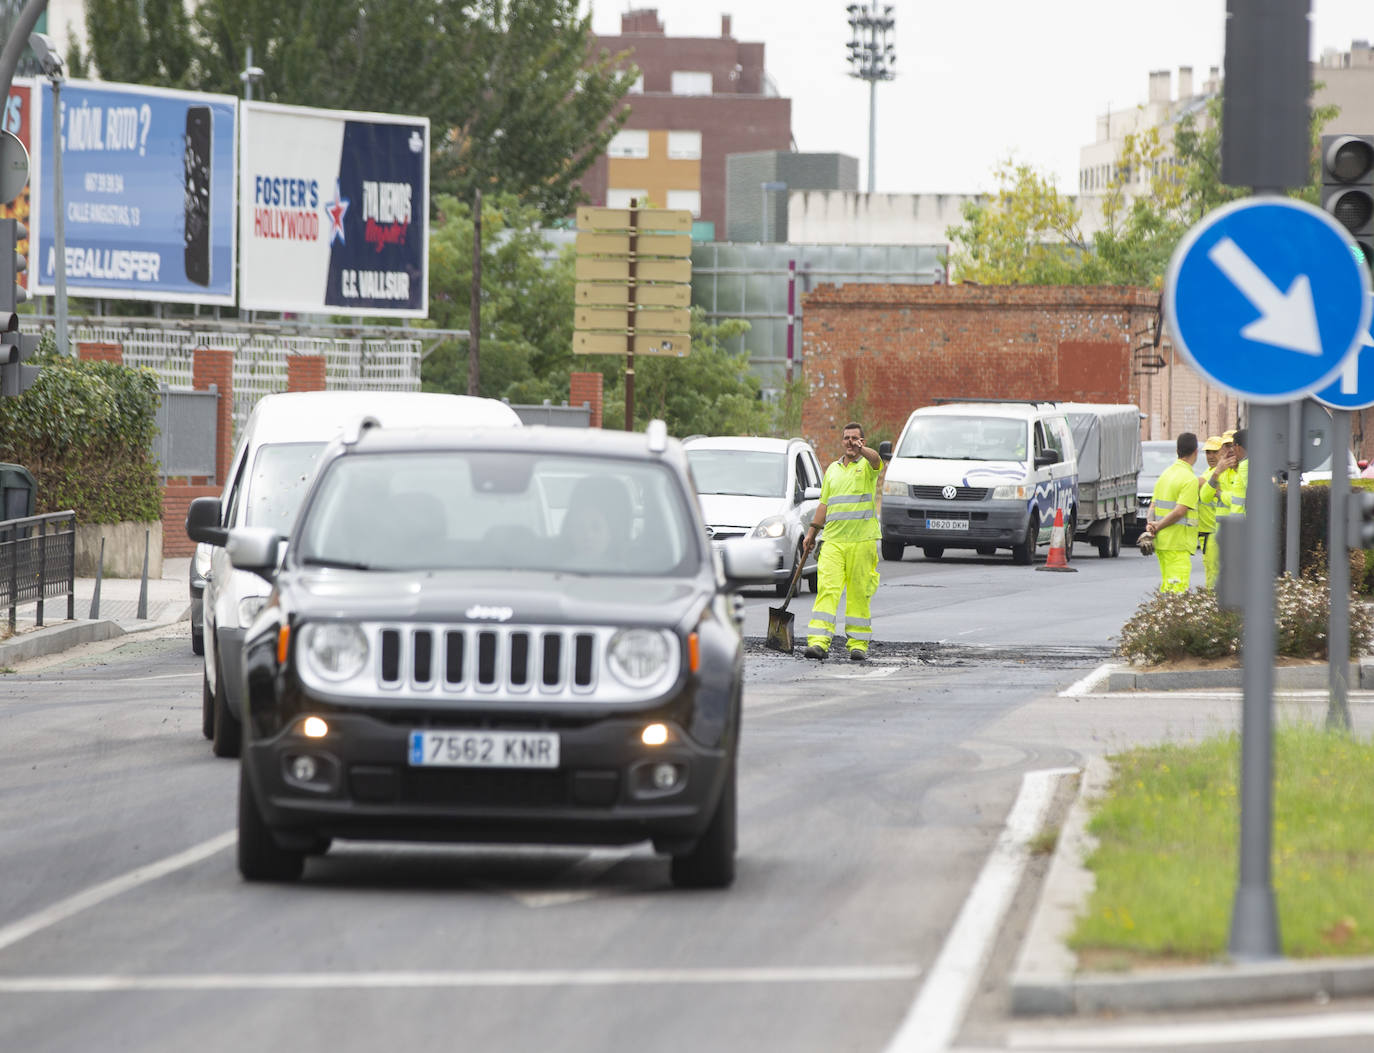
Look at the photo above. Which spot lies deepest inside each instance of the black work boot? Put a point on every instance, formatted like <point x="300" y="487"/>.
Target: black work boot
<point x="856" y="655"/>
<point x="816" y="651"/>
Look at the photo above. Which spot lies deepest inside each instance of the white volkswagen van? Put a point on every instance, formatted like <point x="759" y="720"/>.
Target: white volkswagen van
<point x="273" y="463"/>
<point x="979" y="475"/>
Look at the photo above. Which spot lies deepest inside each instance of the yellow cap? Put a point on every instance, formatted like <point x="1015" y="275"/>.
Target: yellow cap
<point x="1213" y="444"/>
<point x="1228" y="436"/>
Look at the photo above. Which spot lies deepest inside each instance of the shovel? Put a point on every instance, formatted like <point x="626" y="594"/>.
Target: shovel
<point x="779" y="620"/>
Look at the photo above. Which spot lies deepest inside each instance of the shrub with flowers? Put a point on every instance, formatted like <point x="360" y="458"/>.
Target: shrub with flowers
<point x="1174" y="625"/>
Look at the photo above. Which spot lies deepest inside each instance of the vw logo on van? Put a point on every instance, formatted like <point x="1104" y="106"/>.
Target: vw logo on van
<point x="949" y="493"/>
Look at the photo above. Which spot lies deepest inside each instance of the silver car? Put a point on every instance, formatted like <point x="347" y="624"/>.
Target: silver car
<point x="1156" y="456"/>
<point x="759" y="488"/>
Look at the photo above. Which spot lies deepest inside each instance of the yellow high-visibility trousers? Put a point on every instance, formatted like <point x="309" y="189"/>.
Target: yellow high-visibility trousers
<point x="1175" y="570"/>
<point x="849" y="568"/>
<point x="1211" y="559"/>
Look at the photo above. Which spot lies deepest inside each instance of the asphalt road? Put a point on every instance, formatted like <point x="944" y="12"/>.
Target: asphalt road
<point x="871" y="800"/>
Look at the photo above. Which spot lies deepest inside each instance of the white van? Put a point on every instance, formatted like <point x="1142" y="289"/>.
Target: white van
<point x="979" y="475"/>
<point x="273" y="463"/>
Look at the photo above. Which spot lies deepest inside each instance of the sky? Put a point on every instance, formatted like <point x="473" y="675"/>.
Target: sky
<point x="978" y="81"/>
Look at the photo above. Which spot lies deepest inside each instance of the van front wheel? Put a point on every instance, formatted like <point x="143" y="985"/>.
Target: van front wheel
<point x="1024" y="553"/>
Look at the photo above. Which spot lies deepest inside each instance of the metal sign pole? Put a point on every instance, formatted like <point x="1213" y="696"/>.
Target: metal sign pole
<point x="1338" y="633"/>
<point x="1293" y="489"/>
<point x="1254" y="916"/>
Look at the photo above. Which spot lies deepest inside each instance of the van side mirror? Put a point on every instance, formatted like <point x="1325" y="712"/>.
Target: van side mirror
<point x="885" y="450"/>
<point x="1045" y="458"/>
<point x="202" y="522"/>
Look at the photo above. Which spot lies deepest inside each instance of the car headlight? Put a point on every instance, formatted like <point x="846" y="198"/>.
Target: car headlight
<point x="773" y="526"/>
<point x="1008" y="493"/>
<point x="249" y="608"/>
<point x="202" y="560"/>
<point x="638" y="657"/>
<point x="892" y="488"/>
<point x="334" y="650"/>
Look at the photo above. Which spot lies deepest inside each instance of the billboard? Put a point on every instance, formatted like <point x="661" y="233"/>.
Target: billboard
<point x="17" y="119"/>
<point x="148" y="193"/>
<point x="335" y="212"/>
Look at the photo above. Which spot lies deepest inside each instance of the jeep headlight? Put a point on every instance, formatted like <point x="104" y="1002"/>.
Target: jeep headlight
<point x="773" y="526"/>
<point x="638" y="657"/>
<point x="1009" y="493"/>
<point x="892" y="488"/>
<point x="333" y="650"/>
<point x="249" y="608"/>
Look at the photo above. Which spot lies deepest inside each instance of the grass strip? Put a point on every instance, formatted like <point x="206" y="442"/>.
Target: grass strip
<point x="1168" y="840"/>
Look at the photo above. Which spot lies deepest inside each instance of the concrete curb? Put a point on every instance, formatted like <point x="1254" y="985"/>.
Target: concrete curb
<point x="1286" y="677"/>
<point x="52" y="639"/>
<point x="1045" y="980"/>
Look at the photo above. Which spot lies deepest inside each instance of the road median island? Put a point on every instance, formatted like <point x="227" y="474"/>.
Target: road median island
<point x="1136" y="909"/>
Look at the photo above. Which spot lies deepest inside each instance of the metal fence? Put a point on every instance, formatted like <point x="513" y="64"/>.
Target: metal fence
<point x="38" y="562"/>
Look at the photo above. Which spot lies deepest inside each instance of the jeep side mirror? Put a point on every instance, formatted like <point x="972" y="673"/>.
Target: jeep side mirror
<point x="254" y="549"/>
<point x="885" y="450"/>
<point x="202" y="522"/>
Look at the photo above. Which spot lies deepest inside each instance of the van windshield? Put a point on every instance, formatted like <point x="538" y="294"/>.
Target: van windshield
<point x="277" y="486"/>
<point x="965" y="439"/>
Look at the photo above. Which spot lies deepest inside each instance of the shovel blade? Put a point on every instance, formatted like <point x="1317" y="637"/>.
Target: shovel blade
<point x="779" y="630"/>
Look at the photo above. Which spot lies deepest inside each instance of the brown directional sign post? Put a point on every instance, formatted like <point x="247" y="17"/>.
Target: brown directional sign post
<point x="634" y="273"/>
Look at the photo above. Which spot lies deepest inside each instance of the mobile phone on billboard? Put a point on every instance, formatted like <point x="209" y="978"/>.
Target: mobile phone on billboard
<point x="196" y="167"/>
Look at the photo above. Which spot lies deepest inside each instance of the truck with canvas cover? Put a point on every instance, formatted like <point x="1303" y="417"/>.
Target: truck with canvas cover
<point x="1108" y="441"/>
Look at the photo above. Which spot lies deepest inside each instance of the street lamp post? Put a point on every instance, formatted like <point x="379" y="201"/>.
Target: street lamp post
<point x="764" y="189"/>
<point x="51" y="63"/>
<point x="250" y="74"/>
<point x="871" y="58"/>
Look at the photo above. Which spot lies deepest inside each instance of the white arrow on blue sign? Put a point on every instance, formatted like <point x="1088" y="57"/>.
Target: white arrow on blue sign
<point x="1354" y="388"/>
<point x="1266" y="297"/>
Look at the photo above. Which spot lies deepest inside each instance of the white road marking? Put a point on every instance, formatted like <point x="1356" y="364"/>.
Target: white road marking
<point x="1084" y="686"/>
<point x="867" y="674"/>
<point x="1233" y="1032"/>
<point x="87" y="681"/>
<point x="933" y="1020"/>
<point x="97" y="894"/>
<point x="457" y="978"/>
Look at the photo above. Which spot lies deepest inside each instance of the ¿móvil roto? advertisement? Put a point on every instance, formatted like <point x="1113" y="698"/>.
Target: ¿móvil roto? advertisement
<point x="335" y="212"/>
<point x="148" y="192"/>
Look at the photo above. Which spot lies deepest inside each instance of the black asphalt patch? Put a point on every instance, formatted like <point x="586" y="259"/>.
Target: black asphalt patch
<point x="948" y="655"/>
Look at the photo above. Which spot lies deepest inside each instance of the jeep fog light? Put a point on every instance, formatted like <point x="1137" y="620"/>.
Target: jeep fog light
<point x="334" y="650"/>
<point x="638" y="657"/>
<point x="314" y="728"/>
<point x="665" y="776"/>
<point x="304" y="768"/>
<point x="654" y="735"/>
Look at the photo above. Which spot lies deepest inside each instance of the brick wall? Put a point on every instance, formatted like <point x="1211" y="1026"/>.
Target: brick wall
<point x="305" y="373"/>
<point x="876" y="352"/>
<point x="586" y="387"/>
<point x="213" y="365"/>
<point x="96" y="352"/>
<point x="176" y="499"/>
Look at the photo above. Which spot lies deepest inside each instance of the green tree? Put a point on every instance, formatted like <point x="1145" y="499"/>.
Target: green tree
<point x="527" y="302"/>
<point x="1030" y="233"/>
<point x="141" y="42"/>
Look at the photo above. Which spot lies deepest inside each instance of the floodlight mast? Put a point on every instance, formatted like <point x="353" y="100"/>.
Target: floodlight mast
<point x="871" y="57"/>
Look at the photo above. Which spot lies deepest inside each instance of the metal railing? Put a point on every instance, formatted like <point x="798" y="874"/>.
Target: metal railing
<point x="37" y="564"/>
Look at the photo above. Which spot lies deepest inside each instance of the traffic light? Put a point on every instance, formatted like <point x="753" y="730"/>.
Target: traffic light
<point x="1359" y="520"/>
<point x="1348" y="187"/>
<point x="15" y="347"/>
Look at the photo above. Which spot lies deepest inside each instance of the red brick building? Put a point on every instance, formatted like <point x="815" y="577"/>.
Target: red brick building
<point x="699" y="100"/>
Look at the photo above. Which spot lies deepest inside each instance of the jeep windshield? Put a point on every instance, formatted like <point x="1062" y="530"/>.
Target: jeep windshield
<point x="965" y="439"/>
<point x="471" y="510"/>
<point x="739" y="473"/>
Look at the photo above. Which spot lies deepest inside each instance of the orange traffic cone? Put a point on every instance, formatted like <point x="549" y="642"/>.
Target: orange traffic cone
<point x="1058" y="558"/>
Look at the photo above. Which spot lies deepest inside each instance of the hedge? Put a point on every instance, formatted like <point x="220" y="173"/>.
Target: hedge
<point x="85" y="430"/>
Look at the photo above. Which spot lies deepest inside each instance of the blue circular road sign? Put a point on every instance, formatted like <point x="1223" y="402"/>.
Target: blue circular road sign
<point x="1266" y="298"/>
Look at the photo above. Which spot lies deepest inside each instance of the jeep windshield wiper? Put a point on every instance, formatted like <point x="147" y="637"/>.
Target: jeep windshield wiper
<point x="338" y="564"/>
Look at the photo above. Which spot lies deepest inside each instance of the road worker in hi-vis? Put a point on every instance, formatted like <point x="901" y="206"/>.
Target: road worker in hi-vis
<point x="1173" y="517"/>
<point x="1209" y="507"/>
<point x="848" y="561"/>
